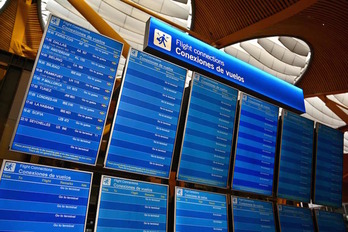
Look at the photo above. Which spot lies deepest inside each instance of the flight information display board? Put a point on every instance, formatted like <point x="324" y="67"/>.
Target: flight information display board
<point x="147" y="115"/>
<point x="329" y="167"/>
<point x="329" y="221"/>
<point x="199" y="211"/>
<point x="40" y="198"/>
<point x="252" y="215"/>
<point x="128" y="205"/>
<point x="67" y="101"/>
<point x="295" y="219"/>
<point x="296" y="155"/>
<point x="207" y="143"/>
<point x="256" y="145"/>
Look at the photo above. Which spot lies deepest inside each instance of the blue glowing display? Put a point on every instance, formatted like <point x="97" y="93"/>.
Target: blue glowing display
<point x="329" y="221"/>
<point x="252" y="215"/>
<point x="328" y="167"/>
<point x="199" y="211"/>
<point x="295" y="219"/>
<point x="128" y="205"/>
<point x="65" y="108"/>
<point x="206" y="151"/>
<point x="256" y="144"/>
<point x="296" y="154"/>
<point x="41" y="198"/>
<point x="147" y="116"/>
<point x="170" y="43"/>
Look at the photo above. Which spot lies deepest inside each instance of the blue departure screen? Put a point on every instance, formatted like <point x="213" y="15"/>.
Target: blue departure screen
<point x="206" y="151"/>
<point x="256" y="144"/>
<point x="69" y="94"/>
<point x="147" y="116"/>
<point x="252" y="215"/>
<point x="41" y="198"/>
<point x="295" y="219"/>
<point x="329" y="222"/>
<point x="329" y="167"/>
<point x="128" y="205"/>
<point x="295" y="168"/>
<point x="200" y="211"/>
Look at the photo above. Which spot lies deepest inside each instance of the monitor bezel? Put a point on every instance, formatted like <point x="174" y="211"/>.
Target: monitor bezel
<point x="116" y="111"/>
<point x="183" y="137"/>
<point x="65" y="169"/>
<point x="29" y="84"/>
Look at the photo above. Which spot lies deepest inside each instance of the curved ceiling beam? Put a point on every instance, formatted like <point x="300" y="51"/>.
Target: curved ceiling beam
<point x="317" y="110"/>
<point x="294" y="45"/>
<point x="270" y="61"/>
<point x="251" y="60"/>
<point x="334" y="108"/>
<point x="166" y="7"/>
<point x="342" y="98"/>
<point x="282" y="53"/>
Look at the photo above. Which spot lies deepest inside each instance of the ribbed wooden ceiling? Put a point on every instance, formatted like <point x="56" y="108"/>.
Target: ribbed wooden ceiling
<point x="7" y="20"/>
<point x="321" y="23"/>
<point x="224" y="17"/>
<point x="32" y="34"/>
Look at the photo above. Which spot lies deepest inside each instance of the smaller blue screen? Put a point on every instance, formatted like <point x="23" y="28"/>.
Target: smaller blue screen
<point x="294" y="219"/>
<point x="256" y="144"/>
<point x="128" y="205"/>
<point x="296" y="154"/>
<point x="206" y="151"/>
<point x="200" y="211"/>
<point x="329" y="222"/>
<point x="329" y="167"/>
<point x="252" y="215"/>
<point x="41" y="198"/>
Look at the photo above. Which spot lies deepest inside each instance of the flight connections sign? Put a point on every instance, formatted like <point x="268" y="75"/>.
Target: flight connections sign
<point x="176" y="46"/>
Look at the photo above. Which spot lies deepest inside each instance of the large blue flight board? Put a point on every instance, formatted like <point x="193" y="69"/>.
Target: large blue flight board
<point x="66" y="105"/>
<point x="329" y="167"/>
<point x="40" y="198"/>
<point x="295" y="219"/>
<point x="256" y="145"/>
<point x="252" y="215"/>
<point x="206" y="150"/>
<point x="199" y="211"/>
<point x="296" y="154"/>
<point x="128" y="205"/>
<point x="147" y="116"/>
<point x="329" y="221"/>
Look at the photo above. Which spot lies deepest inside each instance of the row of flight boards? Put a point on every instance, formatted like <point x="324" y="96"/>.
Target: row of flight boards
<point x="41" y="198"/>
<point x="66" y="105"/>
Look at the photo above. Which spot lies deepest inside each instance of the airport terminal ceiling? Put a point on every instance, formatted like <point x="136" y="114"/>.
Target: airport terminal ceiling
<point x="302" y="42"/>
